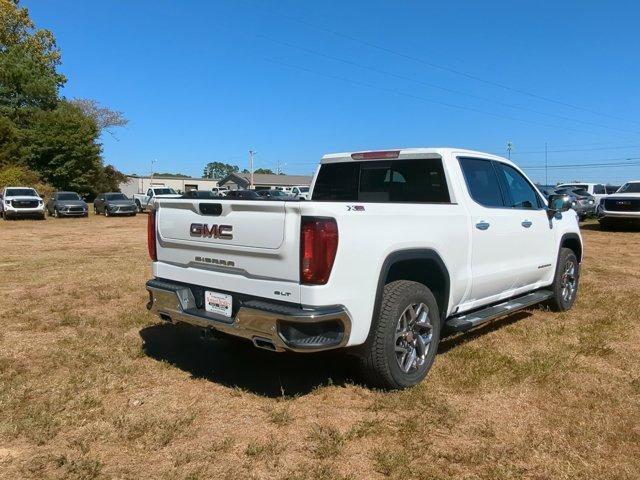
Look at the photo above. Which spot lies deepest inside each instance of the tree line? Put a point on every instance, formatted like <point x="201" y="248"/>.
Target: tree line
<point x="47" y="140"/>
<point x="219" y="170"/>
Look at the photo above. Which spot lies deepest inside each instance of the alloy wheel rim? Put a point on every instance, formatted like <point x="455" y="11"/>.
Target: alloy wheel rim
<point x="568" y="281"/>
<point x="413" y="336"/>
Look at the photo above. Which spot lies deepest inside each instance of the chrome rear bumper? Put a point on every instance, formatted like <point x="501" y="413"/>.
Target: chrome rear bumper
<point x="269" y="325"/>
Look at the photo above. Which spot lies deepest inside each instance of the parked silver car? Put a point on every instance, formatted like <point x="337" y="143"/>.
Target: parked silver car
<point x="67" y="204"/>
<point x="114" y="203"/>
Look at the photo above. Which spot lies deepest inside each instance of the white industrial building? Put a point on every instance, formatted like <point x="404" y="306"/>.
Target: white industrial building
<point x="179" y="184"/>
<point x="235" y="181"/>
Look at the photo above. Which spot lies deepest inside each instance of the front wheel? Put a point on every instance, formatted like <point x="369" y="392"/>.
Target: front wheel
<point x="404" y="337"/>
<point x="138" y="206"/>
<point x="55" y="213"/>
<point x="565" y="282"/>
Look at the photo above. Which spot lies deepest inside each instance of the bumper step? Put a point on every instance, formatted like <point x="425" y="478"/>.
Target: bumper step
<point x="467" y="321"/>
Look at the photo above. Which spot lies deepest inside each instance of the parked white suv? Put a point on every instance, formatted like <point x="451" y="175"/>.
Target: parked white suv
<point x="21" y="202"/>
<point x="392" y="248"/>
<point x="622" y="207"/>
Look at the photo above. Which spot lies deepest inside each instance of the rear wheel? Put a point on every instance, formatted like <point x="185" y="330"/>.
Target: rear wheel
<point x="566" y="280"/>
<point x="138" y="206"/>
<point x="55" y="213"/>
<point x="404" y="337"/>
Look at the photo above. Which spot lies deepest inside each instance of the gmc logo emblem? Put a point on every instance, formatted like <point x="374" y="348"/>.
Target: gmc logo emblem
<point x="224" y="232"/>
<point x="623" y="203"/>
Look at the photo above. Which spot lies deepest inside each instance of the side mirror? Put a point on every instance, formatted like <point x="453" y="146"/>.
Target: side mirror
<point x="558" y="204"/>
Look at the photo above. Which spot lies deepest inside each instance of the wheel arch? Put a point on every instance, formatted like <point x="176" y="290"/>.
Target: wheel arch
<point x="572" y="241"/>
<point x="419" y="265"/>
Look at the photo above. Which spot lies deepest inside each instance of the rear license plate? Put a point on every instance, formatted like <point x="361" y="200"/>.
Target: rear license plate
<point x="219" y="303"/>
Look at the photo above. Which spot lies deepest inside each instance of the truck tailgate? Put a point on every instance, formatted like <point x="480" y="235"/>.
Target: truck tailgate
<point x="257" y="240"/>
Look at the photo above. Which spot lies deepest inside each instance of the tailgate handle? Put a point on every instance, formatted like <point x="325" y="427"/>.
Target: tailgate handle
<point x="214" y="209"/>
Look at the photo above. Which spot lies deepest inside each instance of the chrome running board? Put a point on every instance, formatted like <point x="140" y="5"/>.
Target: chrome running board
<point x="467" y="321"/>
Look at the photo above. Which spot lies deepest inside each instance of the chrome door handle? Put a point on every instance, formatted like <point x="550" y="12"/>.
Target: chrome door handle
<point x="482" y="225"/>
<point x="526" y="223"/>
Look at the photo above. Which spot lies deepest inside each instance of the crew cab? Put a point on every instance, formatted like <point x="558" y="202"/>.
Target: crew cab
<point x="144" y="201"/>
<point x="21" y="202"/>
<point x="393" y="248"/>
<point x="620" y="208"/>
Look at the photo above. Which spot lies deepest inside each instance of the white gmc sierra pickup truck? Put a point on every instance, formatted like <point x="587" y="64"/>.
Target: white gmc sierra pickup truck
<point x="393" y="248"/>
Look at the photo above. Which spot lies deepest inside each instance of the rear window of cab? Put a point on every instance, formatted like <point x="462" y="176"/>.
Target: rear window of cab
<point x="397" y="181"/>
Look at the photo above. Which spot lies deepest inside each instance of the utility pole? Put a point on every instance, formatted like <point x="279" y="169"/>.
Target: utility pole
<point x="153" y="162"/>
<point x="546" y="164"/>
<point x="251" y="154"/>
<point x="509" y="148"/>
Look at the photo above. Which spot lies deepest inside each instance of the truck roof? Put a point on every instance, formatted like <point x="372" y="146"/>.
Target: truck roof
<point x="407" y="153"/>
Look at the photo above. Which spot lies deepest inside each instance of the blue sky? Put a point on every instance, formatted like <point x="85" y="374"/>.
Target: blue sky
<point x="207" y="81"/>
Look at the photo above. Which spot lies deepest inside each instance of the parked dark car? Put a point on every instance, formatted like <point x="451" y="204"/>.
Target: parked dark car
<point x="243" y="195"/>
<point x="67" y="204"/>
<point x="581" y="201"/>
<point x="272" y="194"/>
<point x="201" y="194"/>
<point x="114" y="203"/>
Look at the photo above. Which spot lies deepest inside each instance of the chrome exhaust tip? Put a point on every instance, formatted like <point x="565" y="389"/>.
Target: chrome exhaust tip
<point x="264" y="343"/>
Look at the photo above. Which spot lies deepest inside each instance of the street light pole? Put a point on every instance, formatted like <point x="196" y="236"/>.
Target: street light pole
<point x="546" y="173"/>
<point x="251" y="154"/>
<point x="509" y="148"/>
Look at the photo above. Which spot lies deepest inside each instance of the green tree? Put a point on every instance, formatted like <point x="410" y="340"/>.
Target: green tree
<point x="219" y="170"/>
<point x="108" y="180"/>
<point x="264" y="170"/>
<point x="63" y="148"/>
<point x="56" y="139"/>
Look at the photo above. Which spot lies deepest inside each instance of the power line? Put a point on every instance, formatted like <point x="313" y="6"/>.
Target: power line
<point x="435" y="65"/>
<point x="439" y="87"/>
<point x="629" y="163"/>
<point x="429" y="100"/>
<point x="577" y="150"/>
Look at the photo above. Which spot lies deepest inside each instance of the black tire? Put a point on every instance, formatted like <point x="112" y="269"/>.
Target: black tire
<point x="95" y="210"/>
<point x="562" y="299"/>
<point x="139" y="206"/>
<point x="379" y="359"/>
<point x="55" y="213"/>
<point x="106" y="212"/>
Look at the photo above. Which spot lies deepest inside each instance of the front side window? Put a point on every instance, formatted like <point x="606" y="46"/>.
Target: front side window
<point x="520" y="193"/>
<point x="398" y="181"/>
<point x="482" y="182"/>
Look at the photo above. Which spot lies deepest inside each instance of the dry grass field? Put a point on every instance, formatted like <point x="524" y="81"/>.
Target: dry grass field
<point x="91" y="386"/>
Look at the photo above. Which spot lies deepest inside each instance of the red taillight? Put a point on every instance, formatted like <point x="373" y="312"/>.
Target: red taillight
<point x="318" y="245"/>
<point x="151" y="235"/>
<point x="376" y="155"/>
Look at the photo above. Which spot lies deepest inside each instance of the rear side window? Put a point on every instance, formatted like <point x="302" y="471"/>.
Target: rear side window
<point x="398" y="181"/>
<point x="482" y="182"/>
<point x="599" y="190"/>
